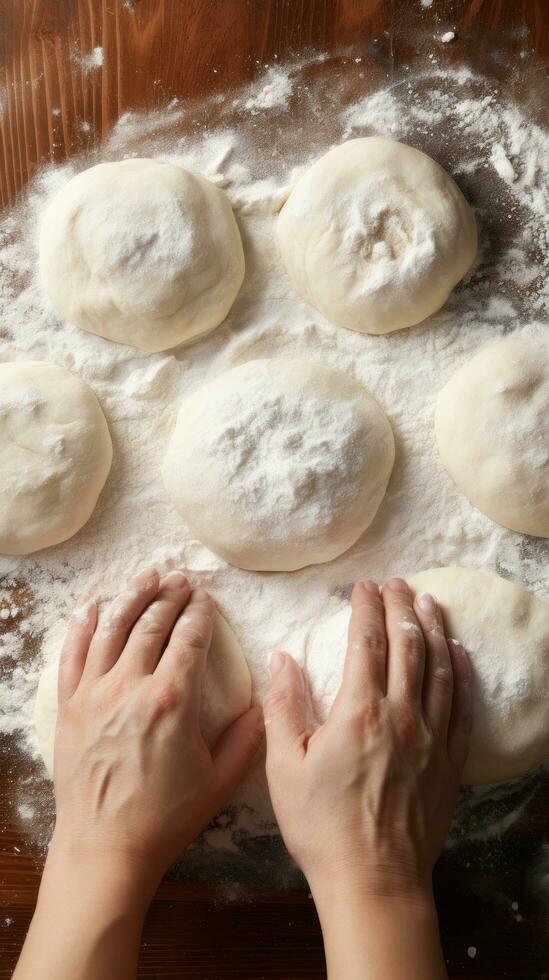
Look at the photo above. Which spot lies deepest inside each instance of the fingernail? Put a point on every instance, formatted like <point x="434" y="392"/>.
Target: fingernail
<point x="85" y="612"/>
<point x="83" y="600"/>
<point x="370" y="586"/>
<point x="276" y="662"/>
<point x="174" y="580"/>
<point x="397" y="585"/>
<point x="427" y="603"/>
<point x="144" y="579"/>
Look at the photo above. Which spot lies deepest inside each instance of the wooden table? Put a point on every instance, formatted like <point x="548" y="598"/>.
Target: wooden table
<point x="154" y="50"/>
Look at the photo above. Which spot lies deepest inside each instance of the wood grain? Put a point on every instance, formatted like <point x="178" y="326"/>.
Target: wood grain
<point x="53" y="104"/>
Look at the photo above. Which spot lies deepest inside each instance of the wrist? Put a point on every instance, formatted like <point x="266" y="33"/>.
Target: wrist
<point x="387" y="890"/>
<point x="107" y="872"/>
<point x="367" y="932"/>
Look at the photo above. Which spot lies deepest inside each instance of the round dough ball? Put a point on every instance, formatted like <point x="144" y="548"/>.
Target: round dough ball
<point x="55" y="455"/>
<point x="141" y="252"/>
<point x="226" y="692"/>
<point x="279" y="464"/>
<point x="505" y="631"/>
<point x="492" y="430"/>
<point x="376" y="235"/>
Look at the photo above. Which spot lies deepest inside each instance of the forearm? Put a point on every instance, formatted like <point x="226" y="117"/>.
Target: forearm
<point x="370" y="937"/>
<point x="88" y="919"/>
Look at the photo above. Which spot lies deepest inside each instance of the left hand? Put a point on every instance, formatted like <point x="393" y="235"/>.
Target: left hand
<point x="133" y="777"/>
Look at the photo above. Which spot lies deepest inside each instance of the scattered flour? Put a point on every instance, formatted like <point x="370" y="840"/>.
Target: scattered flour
<point x="94" y="59"/>
<point x="466" y="123"/>
<point x="502" y="164"/>
<point x="447" y="37"/>
<point x="273" y="93"/>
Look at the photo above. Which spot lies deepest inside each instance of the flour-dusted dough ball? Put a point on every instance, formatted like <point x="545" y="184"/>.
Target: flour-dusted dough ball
<point x="492" y="430"/>
<point x="141" y="252"/>
<point x="375" y="235"/>
<point x="505" y="631"/>
<point x="55" y="455"/>
<point x="226" y="692"/>
<point x="279" y="464"/>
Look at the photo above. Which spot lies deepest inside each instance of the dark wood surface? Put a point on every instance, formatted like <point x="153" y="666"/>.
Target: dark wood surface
<point x="154" y="50"/>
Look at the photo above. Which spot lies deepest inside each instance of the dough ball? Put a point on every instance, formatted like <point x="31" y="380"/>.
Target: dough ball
<point x="141" y="252"/>
<point x="227" y="691"/>
<point x="55" y="455"/>
<point x="279" y="464"/>
<point x="492" y="430"/>
<point x="376" y="235"/>
<point x="505" y="631"/>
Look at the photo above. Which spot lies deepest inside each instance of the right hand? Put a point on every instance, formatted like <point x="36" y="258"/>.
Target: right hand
<point x="367" y="799"/>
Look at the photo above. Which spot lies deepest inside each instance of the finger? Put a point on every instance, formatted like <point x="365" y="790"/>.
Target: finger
<point x="406" y="660"/>
<point x="236" y="750"/>
<point x="439" y="678"/>
<point x="75" y="647"/>
<point x="153" y="628"/>
<point x="364" y="673"/>
<point x="459" y="729"/>
<point x="116" y="622"/>
<point x="184" y="659"/>
<point x="285" y="712"/>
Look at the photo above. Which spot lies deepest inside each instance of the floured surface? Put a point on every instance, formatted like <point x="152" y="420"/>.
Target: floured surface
<point x="253" y="141"/>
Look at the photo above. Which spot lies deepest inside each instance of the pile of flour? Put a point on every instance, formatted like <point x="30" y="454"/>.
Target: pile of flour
<point x="253" y="142"/>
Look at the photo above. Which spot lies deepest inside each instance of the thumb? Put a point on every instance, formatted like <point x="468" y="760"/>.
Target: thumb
<point x="236" y="750"/>
<point x="285" y="710"/>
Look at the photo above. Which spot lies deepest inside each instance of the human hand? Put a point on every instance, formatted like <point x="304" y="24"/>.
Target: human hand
<point x="134" y="780"/>
<point x="365" y="802"/>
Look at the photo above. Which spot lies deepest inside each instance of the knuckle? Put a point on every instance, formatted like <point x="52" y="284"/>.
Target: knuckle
<point x="194" y="638"/>
<point x="443" y="678"/>
<point x="365" y="717"/>
<point x="148" y="628"/>
<point x="416" y="737"/>
<point x="413" y="649"/>
<point x="118" y="620"/>
<point x="435" y="627"/>
<point x="167" y="696"/>
<point x="372" y="641"/>
<point x="409" y="726"/>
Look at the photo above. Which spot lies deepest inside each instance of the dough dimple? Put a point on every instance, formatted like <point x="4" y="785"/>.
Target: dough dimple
<point x="492" y="430"/>
<point x="55" y="455"/>
<point x="226" y="693"/>
<point x="375" y="235"/>
<point x="505" y="631"/>
<point x="141" y="252"/>
<point x="277" y="464"/>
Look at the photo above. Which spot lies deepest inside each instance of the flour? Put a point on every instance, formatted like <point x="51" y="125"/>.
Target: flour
<point x="272" y="447"/>
<point x="424" y="521"/>
<point x="94" y="59"/>
<point x="273" y="93"/>
<point x="502" y="164"/>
